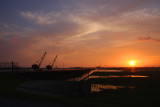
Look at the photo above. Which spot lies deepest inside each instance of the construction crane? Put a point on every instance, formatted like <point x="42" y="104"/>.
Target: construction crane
<point x="49" y="67"/>
<point x="37" y="66"/>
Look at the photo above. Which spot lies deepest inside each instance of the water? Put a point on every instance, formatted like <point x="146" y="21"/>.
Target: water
<point x="101" y="87"/>
<point x="115" y="76"/>
<point x="108" y="70"/>
<point x="106" y="85"/>
<point x="83" y="77"/>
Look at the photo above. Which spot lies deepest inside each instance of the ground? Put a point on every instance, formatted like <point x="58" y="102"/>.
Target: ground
<point x="140" y="96"/>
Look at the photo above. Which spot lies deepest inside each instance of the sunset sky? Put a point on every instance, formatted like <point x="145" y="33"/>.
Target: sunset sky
<point x="81" y="32"/>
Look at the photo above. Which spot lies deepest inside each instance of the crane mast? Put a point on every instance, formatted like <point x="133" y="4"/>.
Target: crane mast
<point x="42" y="59"/>
<point x="49" y="67"/>
<point x="54" y="61"/>
<point x="37" y="66"/>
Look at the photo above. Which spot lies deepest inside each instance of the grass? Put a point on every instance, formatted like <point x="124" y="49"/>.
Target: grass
<point x="9" y="81"/>
<point x="140" y="97"/>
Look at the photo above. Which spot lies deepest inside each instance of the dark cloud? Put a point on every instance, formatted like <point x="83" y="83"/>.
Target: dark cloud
<point x="148" y="39"/>
<point x="108" y="9"/>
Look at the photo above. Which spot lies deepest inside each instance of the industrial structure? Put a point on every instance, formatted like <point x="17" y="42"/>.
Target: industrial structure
<point x="49" y="67"/>
<point x="37" y="66"/>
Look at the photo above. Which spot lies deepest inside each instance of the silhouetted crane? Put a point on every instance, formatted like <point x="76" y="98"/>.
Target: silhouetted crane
<point x="37" y="66"/>
<point x="49" y="67"/>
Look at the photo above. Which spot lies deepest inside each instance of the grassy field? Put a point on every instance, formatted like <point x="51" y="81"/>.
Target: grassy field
<point x="146" y="93"/>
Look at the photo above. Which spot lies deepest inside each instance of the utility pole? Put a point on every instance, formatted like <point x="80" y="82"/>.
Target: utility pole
<point x="12" y="66"/>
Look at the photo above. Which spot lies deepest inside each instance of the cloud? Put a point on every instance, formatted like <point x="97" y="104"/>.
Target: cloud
<point x="86" y="22"/>
<point x="75" y="26"/>
<point x="148" y="39"/>
<point x="40" y="17"/>
<point x="109" y="15"/>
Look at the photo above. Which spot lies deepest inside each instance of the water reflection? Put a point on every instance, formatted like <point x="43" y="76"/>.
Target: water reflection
<point x="117" y="76"/>
<point x="101" y="87"/>
<point x="83" y="77"/>
<point x="108" y="70"/>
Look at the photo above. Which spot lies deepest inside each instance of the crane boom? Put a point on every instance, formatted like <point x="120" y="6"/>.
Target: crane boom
<point x="54" y="61"/>
<point x="42" y="59"/>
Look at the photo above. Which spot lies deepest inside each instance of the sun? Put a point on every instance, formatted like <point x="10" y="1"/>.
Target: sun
<point x="132" y="63"/>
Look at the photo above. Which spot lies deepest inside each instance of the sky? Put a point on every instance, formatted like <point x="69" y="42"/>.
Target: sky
<point x="83" y="33"/>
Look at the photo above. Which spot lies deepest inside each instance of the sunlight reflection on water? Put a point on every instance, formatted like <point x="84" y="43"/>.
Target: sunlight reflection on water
<point x="101" y="87"/>
<point x="115" y="76"/>
<point x="108" y="70"/>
